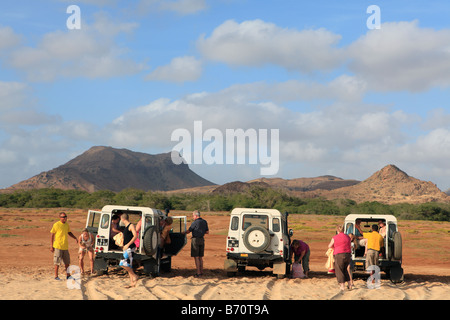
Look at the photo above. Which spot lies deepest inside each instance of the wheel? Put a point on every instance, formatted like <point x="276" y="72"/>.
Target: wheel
<point x="101" y="266"/>
<point x="256" y="239"/>
<point x="166" y="264"/>
<point x="396" y="275"/>
<point x="150" y="241"/>
<point x="397" y="254"/>
<point x="151" y="267"/>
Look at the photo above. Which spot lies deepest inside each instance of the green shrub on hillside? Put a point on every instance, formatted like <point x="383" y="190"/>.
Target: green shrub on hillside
<point x="255" y="197"/>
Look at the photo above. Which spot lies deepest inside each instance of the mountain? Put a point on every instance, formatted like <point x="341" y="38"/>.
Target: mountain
<point x="308" y="184"/>
<point x="389" y="185"/>
<point x="239" y="187"/>
<point x="106" y="168"/>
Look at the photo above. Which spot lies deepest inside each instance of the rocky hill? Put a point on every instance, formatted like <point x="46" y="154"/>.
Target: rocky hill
<point x="106" y="168"/>
<point x="308" y="184"/>
<point x="389" y="185"/>
<point x="239" y="187"/>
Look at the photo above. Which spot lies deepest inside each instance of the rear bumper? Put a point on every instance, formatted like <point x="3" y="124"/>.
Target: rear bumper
<point x="384" y="264"/>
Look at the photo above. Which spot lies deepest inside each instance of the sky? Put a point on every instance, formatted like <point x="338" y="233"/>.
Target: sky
<point x="336" y="88"/>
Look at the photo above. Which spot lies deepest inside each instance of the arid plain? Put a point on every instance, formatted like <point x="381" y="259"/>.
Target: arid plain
<point x="26" y="270"/>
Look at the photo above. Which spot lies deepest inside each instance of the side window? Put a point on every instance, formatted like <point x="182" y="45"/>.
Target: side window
<point x="276" y="225"/>
<point x="93" y="219"/>
<point x="349" y="228"/>
<point x="105" y="221"/>
<point x="234" y="223"/>
<point x="392" y="229"/>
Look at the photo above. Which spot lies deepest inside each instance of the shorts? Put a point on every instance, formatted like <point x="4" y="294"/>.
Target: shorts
<point x="61" y="255"/>
<point x="372" y="258"/>
<point x="85" y="250"/>
<point x="127" y="260"/>
<point x="197" y="247"/>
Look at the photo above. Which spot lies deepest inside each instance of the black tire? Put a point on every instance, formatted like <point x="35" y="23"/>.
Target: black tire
<point x="396" y="275"/>
<point x="166" y="264"/>
<point x="256" y="239"/>
<point x="150" y="241"/>
<point x="397" y="254"/>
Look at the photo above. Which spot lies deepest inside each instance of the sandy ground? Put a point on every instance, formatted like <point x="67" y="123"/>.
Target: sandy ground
<point x="26" y="271"/>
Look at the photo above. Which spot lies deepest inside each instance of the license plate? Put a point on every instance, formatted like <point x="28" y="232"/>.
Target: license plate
<point x="359" y="263"/>
<point x="102" y="242"/>
<point x="244" y="255"/>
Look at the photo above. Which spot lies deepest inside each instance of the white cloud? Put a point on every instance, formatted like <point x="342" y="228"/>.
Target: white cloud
<point x="312" y="137"/>
<point x="180" y="69"/>
<point x="257" y="43"/>
<point x="89" y="52"/>
<point x="8" y="38"/>
<point x="12" y="94"/>
<point x="402" y="56"/>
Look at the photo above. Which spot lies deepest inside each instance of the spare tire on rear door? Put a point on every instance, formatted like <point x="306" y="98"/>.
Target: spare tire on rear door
<point x="150" y="241"/>
<point x="397" y="254"/>
<point x="256" y="239"/>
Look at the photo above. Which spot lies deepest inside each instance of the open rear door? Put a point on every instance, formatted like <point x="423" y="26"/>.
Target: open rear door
<point x="178" y="239"/>
<point x="93" y="221"/>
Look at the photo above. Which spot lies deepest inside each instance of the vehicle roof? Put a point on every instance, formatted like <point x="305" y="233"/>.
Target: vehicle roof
<point x="110" y="208"/>
<point x="354" y="216"/>
<point x="255" y="210"/>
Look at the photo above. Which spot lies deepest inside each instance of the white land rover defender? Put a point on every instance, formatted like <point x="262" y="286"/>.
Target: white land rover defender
<point x="390" y="260"/>
<point x="148" y="252"/>
<point x="258" y="238"/>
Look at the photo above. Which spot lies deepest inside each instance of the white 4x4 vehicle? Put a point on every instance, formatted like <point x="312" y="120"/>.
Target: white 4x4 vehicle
<point x="259" y="238"/>
<point x="148" y="253"/>
<point x="390" y="260"/>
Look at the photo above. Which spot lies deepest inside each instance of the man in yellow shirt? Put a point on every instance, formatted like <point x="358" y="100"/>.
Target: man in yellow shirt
<point x="60" y="243"/>
<point x="373" y="247"/>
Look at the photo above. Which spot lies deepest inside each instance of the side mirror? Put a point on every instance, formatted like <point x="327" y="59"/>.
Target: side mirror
<point x="291" y="232"/>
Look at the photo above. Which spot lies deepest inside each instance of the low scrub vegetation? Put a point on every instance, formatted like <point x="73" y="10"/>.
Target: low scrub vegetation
<point x="256" y="197"/>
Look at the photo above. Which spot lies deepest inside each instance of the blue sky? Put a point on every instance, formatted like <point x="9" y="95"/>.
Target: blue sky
<point x="347" y="100"/>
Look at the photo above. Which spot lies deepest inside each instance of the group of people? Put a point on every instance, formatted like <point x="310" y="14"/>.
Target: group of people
<point x="340" y="248"/>
<point x="61" y="231"/>
<point x="342" y="244"/>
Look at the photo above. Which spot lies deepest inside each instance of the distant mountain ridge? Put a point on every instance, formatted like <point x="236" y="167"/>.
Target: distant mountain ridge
<point x="389" y="185"/>
<point x="107" y="168"/>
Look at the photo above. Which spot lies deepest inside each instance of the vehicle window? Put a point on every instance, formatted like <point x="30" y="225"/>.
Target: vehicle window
<point x="94" y="219"/>
<point x="392" y="229"/>
<point x="235" y="223"/>
<point x="255" y="220"/>
<point x="105" y="221"/>
<point x="178" y="225"/>
<point x="276" y="225"/>
<point x="349" y="228"/>
<point x="149" y="221"/>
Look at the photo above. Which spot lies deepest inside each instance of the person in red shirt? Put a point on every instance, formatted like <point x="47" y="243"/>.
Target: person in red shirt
<point x="341" y="244"/>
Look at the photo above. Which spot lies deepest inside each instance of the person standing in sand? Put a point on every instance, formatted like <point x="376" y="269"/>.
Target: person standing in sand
<point x="86" y="245"/>
<point x="341" y="244"/>
<point x="129" y="247"/>
<point x="60" y="243"/>
<point x="198" y="228"/>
